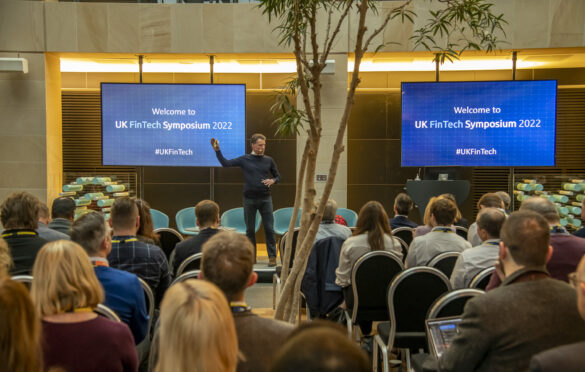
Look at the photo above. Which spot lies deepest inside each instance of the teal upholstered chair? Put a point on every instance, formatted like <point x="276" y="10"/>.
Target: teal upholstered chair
<point x="349" y="215"/>
<point x="159" y="219"/>
<point x="185" y="218"/>
<point x="234" y="218"/>
<point x="282" y="219"/>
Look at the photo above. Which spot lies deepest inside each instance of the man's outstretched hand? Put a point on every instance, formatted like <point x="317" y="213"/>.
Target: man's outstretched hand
<point x="215" y="144"/>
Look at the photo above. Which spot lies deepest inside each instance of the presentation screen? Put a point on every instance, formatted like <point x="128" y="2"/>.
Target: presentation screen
<point x="172" y="124"/>
<point x="487" y="123"/>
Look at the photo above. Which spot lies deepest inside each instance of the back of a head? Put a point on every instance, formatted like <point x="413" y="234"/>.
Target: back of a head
<point x="44" y="213"/>
<point x="444" y="211"/>
<point x="63" y="207"/>
<point x="403" y="204"/>
<point x="197" y="331"/>
<point x="542" y="206"/>
<point x="124" y="213"/>
<point x="373" y="220"/>
<point x="20" y="329"/>
<point x="320" y="349"/>
<point x="227" y="261"/>
<point x="206" y="212"/>
<point x="330" y="210"/>
<point x="89" y="231"/>
<point x="427" y="214"/>
<point x="526" y="234"/>
<point x="490" y="200"/>
<point x="20" y="210"/>
<point x="64" y="279"/>
<point x="505" y="198"/>
<point x="5" y="259"/>
<point x="491" y="220"/>
<point x="146" y="227"/>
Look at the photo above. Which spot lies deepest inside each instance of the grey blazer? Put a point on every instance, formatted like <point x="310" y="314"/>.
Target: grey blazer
<point x="567" y="358"/>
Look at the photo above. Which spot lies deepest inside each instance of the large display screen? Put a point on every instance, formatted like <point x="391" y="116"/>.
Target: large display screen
<point x="172" y="124"/>
<point x="487" y="123"/>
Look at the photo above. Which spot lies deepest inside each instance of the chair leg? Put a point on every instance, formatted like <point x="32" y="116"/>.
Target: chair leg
<point x="349" y="325"/>
<point x="408" y="359"/>
<point x="275" y="290"/>
<point x="385" y="362"/>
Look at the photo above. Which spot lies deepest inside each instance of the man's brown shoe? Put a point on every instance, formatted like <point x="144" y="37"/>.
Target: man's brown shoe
<point x="271" y="261"/>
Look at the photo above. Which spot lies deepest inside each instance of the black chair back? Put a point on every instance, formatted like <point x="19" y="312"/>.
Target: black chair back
<point x="168" y="238"/>
<point x="190" y="263"/>
<point x="482" y="279"/>
<point x="452" y="303"/>
<point x="445" y="262"/>
<point x="404" y="233"/>
<point x="403" y="247"/>
<point x="461" y="231"/>
<point x="282" y="243"/>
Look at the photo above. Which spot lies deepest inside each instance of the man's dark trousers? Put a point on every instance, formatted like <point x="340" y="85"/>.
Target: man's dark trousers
<point x="264" y="206"/>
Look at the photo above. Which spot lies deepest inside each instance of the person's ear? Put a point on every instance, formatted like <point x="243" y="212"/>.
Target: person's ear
<point x="502" y="253"/>
<point x="549" y="253"/>
<point x="137" y="222"/>
<point x="110" y="222"/>
<point x="582" y="289"/>
<point x="200" y="275"/>
<point x="253" y="279"/>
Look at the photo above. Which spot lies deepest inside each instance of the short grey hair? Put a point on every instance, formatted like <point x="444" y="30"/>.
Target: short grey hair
<point x="505" y="198"/>
<point x="89" y="231"/>
<point x="542" y="206"/>
<point x="330" y="210"/>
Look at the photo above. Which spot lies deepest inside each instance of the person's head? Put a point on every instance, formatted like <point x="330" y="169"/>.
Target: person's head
<point x="20" y="210"/>
<point x="505" y="198"/>
<point x="489" y="223"/>
<point x="330" y="210"/>
<point x="525" y="241"/>
<point x="197" y="331"/>
<point x="542" y="206"/>
<point x="20" y="329"/>
<point x="320" y="347"/>
<point x="124" y="216"/>
<point x="92" y="233"/>
<point x="427" y="215"/>
<point x="228" y="261"/>
<point x="258" y="143"/>
<point x="490" y="200"/>
<point x="146" y="227"/>
<point x="373" y="220"/>
<point x="64" y="279"/>
<point x="207" y="213"/>
<point x="443" y="212"/>
<point x="451" y="197"/>
<point x="403" y="204"/>
<point x="5" y="259"/>
<point x="44" y="214"/>
<point x="579" y="283"/>
<point x="63" y="207"/>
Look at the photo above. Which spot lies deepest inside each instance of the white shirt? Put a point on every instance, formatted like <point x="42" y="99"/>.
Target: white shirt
<point x="440" y="239"/>
<point x="472" y="261"/>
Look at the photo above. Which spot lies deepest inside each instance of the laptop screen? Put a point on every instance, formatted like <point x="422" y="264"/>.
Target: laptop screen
<point x="441" y="332"/>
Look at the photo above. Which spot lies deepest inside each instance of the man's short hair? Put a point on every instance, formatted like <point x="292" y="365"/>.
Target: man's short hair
<point x="444" y="211"/>
<point x="490" y="200"/>
<point x="256" y="136"/>
<point x="491" y="220"/>
<point x="227" y="261"/>
<point x="330" y="210"/>
<point x="505" y="198"/>
<point x="526" y="234"/>
<point x="403" y="204"/>
<point x="20" y="210"/>
<point x="63" y="207"/>
<point x="43" y="211"/>
<point x="207" y="212"/>
<point x="542" y="206"/>
<point x="89" y="231"/>
<point x="124" y="213"/>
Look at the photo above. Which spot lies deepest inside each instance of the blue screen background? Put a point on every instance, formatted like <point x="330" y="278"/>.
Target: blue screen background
<point x="515" y="146"/>
<point x="212" y="103"/>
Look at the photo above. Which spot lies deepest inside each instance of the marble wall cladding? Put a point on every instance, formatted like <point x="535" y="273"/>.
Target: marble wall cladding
<point x="124" y="33"/>
<point x="61" y="27"/>
<point x="92" y="27"/>
<point x="187" y="29"/>
<point x="567" y="23"/>
<point x="21" y="26"/>
<point x="155" y="28"/>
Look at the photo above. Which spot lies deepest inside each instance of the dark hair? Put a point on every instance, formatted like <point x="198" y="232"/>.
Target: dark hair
<point x="89" y="231"/>
<point x="505" y="198"/>
<point x="63" y="207"/>
<point x="146" y="227"/>
<point x="373" y="220"/>
<point x="43" y="210"/>
<point x="403" y="204"/>
<point x="542" y="206"/>
<point x="227" y="261"/>
<point x="526" y="234"/>
<point x="491" y="220"/>
<point x="256" y="136"/>
<point x="444" y="211"/>
<point x="490" y="200"/>
<point x="124" y="213"/>
<point x="20" y="210"/>
<point x="207" y="212"/>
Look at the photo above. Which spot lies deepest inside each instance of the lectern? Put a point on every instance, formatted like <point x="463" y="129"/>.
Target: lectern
<point x="421" y="191"/>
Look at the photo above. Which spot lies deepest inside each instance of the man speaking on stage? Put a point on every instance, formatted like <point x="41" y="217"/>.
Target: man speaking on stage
<point x="260" y="173"/>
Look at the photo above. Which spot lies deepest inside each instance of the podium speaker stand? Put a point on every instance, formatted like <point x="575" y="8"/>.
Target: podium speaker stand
<point x="421" y="191"/>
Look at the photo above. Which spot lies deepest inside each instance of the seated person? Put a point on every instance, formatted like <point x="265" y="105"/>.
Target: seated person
<point x="207" y="218"/>
<point x="440" y="239"/>
<point x="459" y="219"/>
<point x="124" y="294"/>
<point x="328" y="227"/>
<point x="506" y="199"/>
<point x="426" y="227"/>
<point x="145" y="231"/>
<point x="65" y="292"/>
<point x="489" y="200"/>
<point x="19" y="215"/>
<point x="473" y="260"/>
<point x="402" y="206"/>
<point x="43" y="229"/>
<point x="502" y="329"/>
<point x="63" y="213"/>
<point x="5" y="260"/>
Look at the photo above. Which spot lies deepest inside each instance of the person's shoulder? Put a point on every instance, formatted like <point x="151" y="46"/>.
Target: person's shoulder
<point x="117" y="274"/>
<point x="261" y="324"/>
<point x="567" y="358"/>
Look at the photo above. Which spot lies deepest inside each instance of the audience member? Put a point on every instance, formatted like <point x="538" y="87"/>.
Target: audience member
<point x="581" y="232"/>
<point x="65" y="291"/>
<point x="63" y="212"/>
<point x="473" y="260"/>
<point x="402" y="207"/>
<point x="147" y="261"/>
<point x="196" y="330"/>
<point x="567" y="358"/>
<point x="440" y="239"/>
<point x="502" y="329"/>
<point x="5" y="260"/>
<point x="43" y="229"/>
<point x="426" y="227"/>
<point x="320" y="347"/>
<point x="19" y="215"/>
<point x="506" y="199"/>
<point x="124" y="294"/>
<point x="328" y="227"/>
<point x="20" y="330"/>
<point x="489" y="200"/>
<point x="207" y="218"/>
<point x="145" y="231"/>
<point x="459" y="219"/>
<point x="228" y="260"/>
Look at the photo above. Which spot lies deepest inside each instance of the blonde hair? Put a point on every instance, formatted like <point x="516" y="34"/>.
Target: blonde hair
<point x="197" y="331"/>
<point x="64" y="279"/>
<point x="427" y="216"/>
<point x="5" y="259"/>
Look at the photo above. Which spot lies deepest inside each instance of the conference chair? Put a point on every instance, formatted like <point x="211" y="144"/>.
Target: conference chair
<point x="409" y="297"/>
<point x="403" y="247"/>
<point x="461" y="231"/>
<point x="349" y="215"/>
<point x="482" y="279"/>
<point x="159" y="219"/>
<point x="149" y="297"/>
<point x="193" y="274"/>
<point x="192" y="262"/>
<point x="185" y="219"/>
<point x="282" y="218"/>
<point x="24" y="279"/>
<point x="234" y="218"/>
<point x="404" y="233"/>
<point x="168" y="238"/>
<point x="452" y="303"/>
<point x="445" y="262"/>
<point x="103" y="310"/>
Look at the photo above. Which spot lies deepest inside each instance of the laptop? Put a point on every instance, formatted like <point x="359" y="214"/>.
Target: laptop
<point x="440" y="333"/>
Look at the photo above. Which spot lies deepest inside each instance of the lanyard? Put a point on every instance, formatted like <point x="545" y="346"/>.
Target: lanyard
<point x="81" y="310"/>
<point x="239" y="307"/>
<point x="493" y="243"/>
<point x="122" y="241"/>
<point x="443" y="229"/>
<point x="18" y="233"/>
<point x="97" y="263"/>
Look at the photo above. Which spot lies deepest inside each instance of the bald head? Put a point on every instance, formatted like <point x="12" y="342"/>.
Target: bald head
<point x="542" y="206"/>
<point x="491" y="220"/>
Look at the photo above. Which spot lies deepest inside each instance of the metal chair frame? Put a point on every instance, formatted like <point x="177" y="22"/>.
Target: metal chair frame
<point x="150" y="296"/>
<point x="481" y="276"/>
<point x="187" y="261"/>
<point x="105" y="311"/>
<point x="24" y="279"/>
<point x="193" y="274"/>
<point x="440" y="257"/>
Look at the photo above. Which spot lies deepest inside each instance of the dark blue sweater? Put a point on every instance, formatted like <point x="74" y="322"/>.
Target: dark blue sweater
<point x="256" y="168"/>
